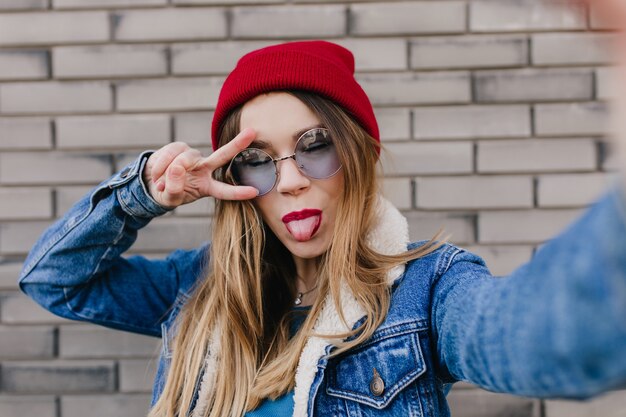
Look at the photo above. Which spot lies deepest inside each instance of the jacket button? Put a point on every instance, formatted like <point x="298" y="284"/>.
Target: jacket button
<point x="125" y="172"/>
<point x="377" y="385"/>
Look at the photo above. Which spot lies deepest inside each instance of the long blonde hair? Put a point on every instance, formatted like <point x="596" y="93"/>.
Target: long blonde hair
<point x="251" y="285"/>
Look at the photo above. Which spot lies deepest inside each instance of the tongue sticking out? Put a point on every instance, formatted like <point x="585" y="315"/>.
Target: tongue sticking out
<point x="303" y="230"/>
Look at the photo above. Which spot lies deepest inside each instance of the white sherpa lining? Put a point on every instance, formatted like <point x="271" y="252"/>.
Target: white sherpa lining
<point x="389" y="236"/>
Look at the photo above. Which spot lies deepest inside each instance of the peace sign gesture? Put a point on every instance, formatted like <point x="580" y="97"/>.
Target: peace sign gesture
<point x="177" y="174"/>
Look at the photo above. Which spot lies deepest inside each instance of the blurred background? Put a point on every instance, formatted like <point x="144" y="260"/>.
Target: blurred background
<point x="492" y="114"/>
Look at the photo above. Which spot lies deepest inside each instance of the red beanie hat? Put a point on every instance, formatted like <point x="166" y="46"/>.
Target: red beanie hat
<point x="321" y="67"/>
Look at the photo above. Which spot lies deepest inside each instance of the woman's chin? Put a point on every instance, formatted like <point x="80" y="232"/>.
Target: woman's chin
<point x="308" y="249"/>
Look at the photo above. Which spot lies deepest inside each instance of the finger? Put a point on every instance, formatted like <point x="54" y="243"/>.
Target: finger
<point x="188" y="159"/>
<point x="176" y="174"/>
<point x="174" y="184"/>
<point x="164" y="157"/>
<point x="223" y="155"/>
<point x="225" y="191"/>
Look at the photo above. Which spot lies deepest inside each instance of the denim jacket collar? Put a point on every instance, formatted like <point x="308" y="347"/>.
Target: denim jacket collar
<point x="389" y="236"/>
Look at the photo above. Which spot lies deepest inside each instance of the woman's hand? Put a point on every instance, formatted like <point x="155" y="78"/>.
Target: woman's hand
<point x="177" y="174"/>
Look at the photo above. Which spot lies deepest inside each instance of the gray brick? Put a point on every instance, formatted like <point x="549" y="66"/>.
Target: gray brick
<point x="613" y="157"/>
<point x="475" y="192"/>
<point x="83" y="4"/>
<point x="394" y="123"/>
<point x="55" y="97"/>
<point x="463" y="385"/>
<point x="408" y="18"/>
<point x="26" y="342"/>
<point x="534" y="85"/>
<point x="53" y="168"/>
<point x="435" y="88"/>
<point x="427" y="158"/>
<point x="424" y="225"/>
<point x="109" y="61"/>
<point x="105" y="405"/>
<point x="605" y="81"/>
<point x="611" y="404"/>
<point x="309" y="21"/>
<point x="23" y="64"/>
<point x="571" y="119"/>
<point x="479" y="403"/>
<point x="203" y="207"/>
<point x="554" y="155"/>
<point x="9" y="273"/>
<point x="212" y="57"/>
<point x="571" y="190"/>
<point x="186" y="2"/>
<point x="571" y="48"/>
<point x="523" y="15"/>
<point x="469" y="52"/>
<point x="398" y="191"/>
<point x="16" y="238"/>
<point x="23" y="5"/>
<point x="125" y="158"/>
<point x="169" y="94"/>
<point x="66" y="197"/>
<point x="19" y="309"/>
<point x="193" y="128"/>
<point x="377" y="54"/>
<point x="170" y="24"/>
<point x="173" y="233"/>
<point x="25" y="133"/>
<point x="92" y="342"/>
<point x="137" y="375"/>
<point x="466" y="122"/>
<point x="117" y="131"/>
<point x="502" y="260"/>
<point x="28" y="405"/>
<point x="51" y="28"/>
<point x="528" y="226"/>
<point x="611" y="162"/>
<point x="25" y="203"/>
<point x="58" y="377"/>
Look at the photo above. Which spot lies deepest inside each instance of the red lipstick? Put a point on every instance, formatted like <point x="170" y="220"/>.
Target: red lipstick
<point x="300" y="215"/>
<point x="303" y="224"/>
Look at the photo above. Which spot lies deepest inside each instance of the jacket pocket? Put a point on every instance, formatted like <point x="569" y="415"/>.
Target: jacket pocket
<point x="376" y="372"/>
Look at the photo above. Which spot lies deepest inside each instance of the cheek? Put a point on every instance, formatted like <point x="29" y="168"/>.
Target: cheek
<point x="267" y="208"/>
<point x="336" y="188"/>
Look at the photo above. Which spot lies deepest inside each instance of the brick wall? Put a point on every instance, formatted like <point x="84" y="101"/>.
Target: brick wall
<point x="492" y="115"/>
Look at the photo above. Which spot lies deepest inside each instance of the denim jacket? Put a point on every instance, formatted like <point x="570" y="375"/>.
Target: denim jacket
<point x="556" y="327"/>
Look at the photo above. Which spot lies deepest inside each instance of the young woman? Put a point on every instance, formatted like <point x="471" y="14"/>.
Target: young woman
<point x="310" y="301"/>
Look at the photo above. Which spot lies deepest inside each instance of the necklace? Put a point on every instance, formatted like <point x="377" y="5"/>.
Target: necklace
<point x="298" y="299"/>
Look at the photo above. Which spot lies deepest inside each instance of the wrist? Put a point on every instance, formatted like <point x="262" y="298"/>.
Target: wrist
<point x="132" y="192"/>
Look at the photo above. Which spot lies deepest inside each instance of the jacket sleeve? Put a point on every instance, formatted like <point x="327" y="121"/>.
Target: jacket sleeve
<point x="76" y="269"/>
<point x="556" y="327"/>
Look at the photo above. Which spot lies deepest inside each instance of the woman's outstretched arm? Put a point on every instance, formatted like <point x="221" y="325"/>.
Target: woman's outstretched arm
<point x="556" y="327"/>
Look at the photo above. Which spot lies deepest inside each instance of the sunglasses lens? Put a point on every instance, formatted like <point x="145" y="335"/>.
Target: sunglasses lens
<point x="316" y="154"/>
<point x="254" y="168"/>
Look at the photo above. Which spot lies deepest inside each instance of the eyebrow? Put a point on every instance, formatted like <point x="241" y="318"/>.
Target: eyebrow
<point x="263" y="145"/>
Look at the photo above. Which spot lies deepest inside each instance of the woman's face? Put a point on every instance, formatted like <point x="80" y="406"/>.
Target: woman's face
<point x="299" y="210"/>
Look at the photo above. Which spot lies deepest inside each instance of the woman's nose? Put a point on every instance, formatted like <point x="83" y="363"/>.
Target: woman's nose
<point x="290" y="178"/>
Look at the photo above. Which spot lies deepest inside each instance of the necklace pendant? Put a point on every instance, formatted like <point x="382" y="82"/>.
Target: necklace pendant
<point x="298" y="300"/>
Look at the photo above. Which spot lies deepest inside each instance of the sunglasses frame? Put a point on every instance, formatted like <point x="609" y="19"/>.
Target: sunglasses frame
<point x="276" y="160"/>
